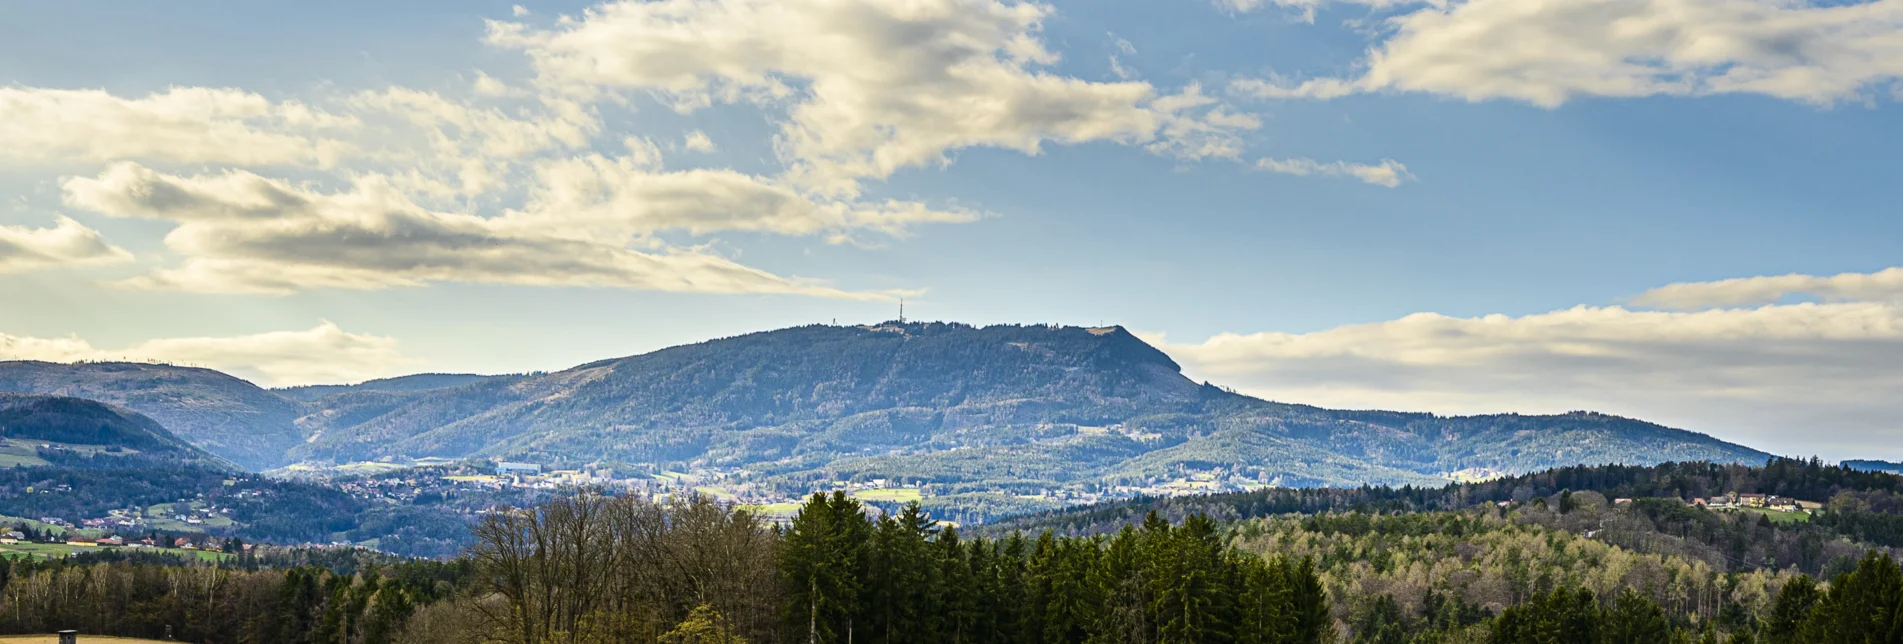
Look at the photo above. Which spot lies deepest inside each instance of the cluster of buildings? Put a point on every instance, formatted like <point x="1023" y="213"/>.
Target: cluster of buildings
<point x="1734" y="500"/>
<point x="12" y="537"/>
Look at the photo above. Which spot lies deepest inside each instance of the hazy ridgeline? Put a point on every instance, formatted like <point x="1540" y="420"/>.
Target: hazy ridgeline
<point x="591" y="568"/>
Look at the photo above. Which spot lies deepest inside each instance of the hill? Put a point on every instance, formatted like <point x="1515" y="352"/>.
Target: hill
<point x="411" y="383"/>
<point x="1874" y="466"/>
<point x="1018" y="410"/>
<point x="1008" y="417"/>
<point x="222" y="414"/>
<point x="38" y="427"/>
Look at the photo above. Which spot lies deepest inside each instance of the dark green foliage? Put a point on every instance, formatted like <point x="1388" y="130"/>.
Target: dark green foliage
<point x="197" y="603"/>
<point x="1864" y="605"/>
<point x="911" y="582"/>
<point x="75" y="421"/>
<point x="1634" y="618"/>
<point x="1793" y="606"/>
<point x="1864" y="507"/>
<point x="1562" y="616"/>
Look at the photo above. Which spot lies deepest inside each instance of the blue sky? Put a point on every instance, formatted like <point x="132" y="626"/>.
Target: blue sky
<point x="1278" y="193"/>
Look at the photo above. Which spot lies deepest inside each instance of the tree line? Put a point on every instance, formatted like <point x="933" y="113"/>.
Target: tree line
<point x="591" y="568"/>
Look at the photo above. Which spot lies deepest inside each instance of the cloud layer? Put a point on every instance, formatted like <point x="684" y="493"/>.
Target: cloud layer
<point x="1803" y="378"/>
<point x="241" y="232"/>
<point x="182" y="124"/>
<point x="320" y="355"/>
<point x="68" y="243"/>
<point x="1884" y="285"/>
<point x="1546" y="52"/>
<point x="871" y="86"/>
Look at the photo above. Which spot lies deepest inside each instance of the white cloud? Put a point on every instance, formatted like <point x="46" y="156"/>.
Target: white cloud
<point x="1882" y="285"/>
<point x="1546" y="52"/>
<point x="322" y="354"/>
<point x="69" y="243"/>
<point x="478" y="146"/>
<point x="1796" y="379"/>
<point x="874" y="86"/>
<point x="240" y="232"/>
<point x="596" y="196"/>
<point x="181" y="125"/>
<point x="492" y="87"/>
<point x="1306" y="8"/>
<point x="698" y="142"/>
<point x="1389" y="173"/>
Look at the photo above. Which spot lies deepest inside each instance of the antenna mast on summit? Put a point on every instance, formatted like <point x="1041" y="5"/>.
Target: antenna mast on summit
<point x="901" y="310"/>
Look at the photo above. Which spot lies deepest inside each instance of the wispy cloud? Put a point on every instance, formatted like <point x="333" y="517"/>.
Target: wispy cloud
<point x="1546" y="52"/>
<point x="322" y="354"/>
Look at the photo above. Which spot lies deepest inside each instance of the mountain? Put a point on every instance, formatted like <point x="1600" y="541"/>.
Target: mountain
<point x="1874" y="466"/>
<point x="411" y="383"/>
<point x="1007" y="411"/>
<point x="222" y="414"/>
<point x="969" y="409"/>
<point x="33" y="424"/>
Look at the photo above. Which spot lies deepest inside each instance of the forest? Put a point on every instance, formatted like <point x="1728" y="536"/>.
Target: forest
<point x="1565" y="566"/>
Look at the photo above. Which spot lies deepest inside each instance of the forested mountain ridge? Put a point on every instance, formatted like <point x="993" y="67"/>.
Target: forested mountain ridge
<point x="1004" y="408"/>
<point x="219" y="413"/>
<point x="410" y="383"/>
<point x="30" y="421"/>
<point x="967" y="408"/>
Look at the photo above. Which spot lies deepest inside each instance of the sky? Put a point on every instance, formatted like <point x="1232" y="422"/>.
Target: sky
<point x="1677" y="210"/>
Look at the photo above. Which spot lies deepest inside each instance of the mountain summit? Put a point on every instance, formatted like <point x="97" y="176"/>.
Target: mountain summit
<point x="965" y="408"/>
<point x="959" y="405"/>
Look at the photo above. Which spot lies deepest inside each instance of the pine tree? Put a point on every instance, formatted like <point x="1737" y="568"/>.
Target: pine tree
<point x="1792" y="608"/>
<point x="1864" y="605"/>
<point x="821" y="559"/>
<point x="1634" y="618"/>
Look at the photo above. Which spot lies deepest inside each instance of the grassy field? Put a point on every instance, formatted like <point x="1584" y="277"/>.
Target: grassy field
<point x="160" y="517"/>
<point x="1779" y="517"/>
<point x="60" y="551"/>
<point x="83" y="638"/>
<point x="42" y="527"/>
<point x="893" y="494"/>
<point x="773" y="509"/>
<point x="17" y="452"/>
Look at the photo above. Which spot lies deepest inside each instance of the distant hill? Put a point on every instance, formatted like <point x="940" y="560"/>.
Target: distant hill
<point x="1006" y="409"/>
<point x="966" y="408"/>
<point x="412" y="383"/>
<point x="88" y="428"/>
<point x="1874" y="466"/>
<point x="222" y="414"/>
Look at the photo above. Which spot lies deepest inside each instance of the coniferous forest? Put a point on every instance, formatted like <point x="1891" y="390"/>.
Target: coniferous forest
<point x="1570" y="567"/>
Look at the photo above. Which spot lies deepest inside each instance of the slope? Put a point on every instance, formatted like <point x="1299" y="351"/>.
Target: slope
<point x="969" y="409"/>
<point x="37" y="427"/>
<point x="224" y="415"/>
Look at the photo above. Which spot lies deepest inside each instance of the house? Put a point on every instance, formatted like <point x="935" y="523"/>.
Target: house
<point x="1752" y="500"/>
<point x="1698" y="502"/>
<point x="1621" y="501"/>
<point x="1784" y="505"/>
<point x="75" y="541"/>
<point x="112" y="541"/>
<point x="181" y="542"/>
